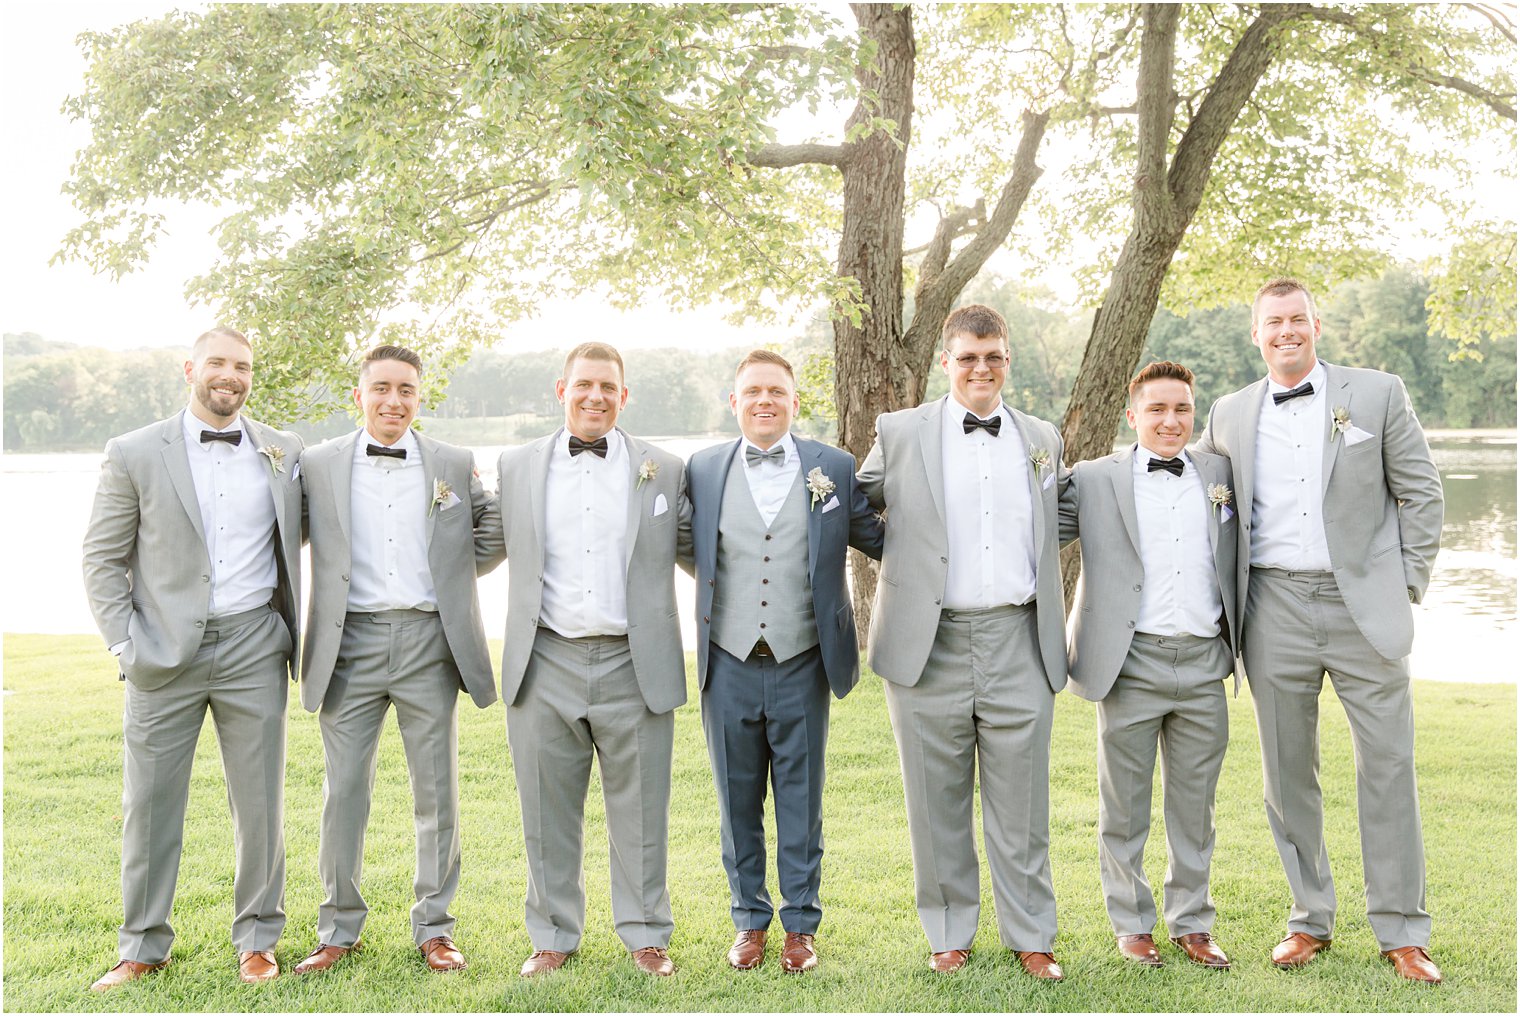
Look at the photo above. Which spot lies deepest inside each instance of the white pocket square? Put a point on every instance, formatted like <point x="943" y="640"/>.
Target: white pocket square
<point x="1356" y="435"/>
<point x="831" y="504"/>
<point x="295" y="474"/>
<point x="1226" y="514"/>
<point x="449" y="502"/>
<point x="1050" y="481"/>
<point x="661" y="506"/>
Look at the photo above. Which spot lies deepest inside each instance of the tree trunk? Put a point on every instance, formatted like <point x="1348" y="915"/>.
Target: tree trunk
<point x="871" y="375"/>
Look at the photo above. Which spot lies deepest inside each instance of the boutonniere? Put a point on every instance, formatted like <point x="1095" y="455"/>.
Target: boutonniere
<point x="1039" y="458"/>
<point x="647" y="471"/>
<point x="1220" y="497"/>
<point x="276" y="456"/>
<point x="1340" y="421"/>
<point x="441" y="493"/>
<point x="819" y="485"/>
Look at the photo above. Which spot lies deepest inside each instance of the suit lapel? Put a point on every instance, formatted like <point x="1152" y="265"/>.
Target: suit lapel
<point x="177" y="463"/>
<point x="1036" y="492"/>
<point x="538" y="485"/>
<point x="1243" y="442"/>
<point x="715" y="481"/>
<point x="429" y="457"/>
<point x="342" y="480"/>
<point x="1122" y="475"/>
<point x="637" y="510"/>
<point x="1337" y="393"/>
<point x="930" y="444"/>
<point x="811" y="455"/>
<point x="261" y="438"/>
<point x="1208" y="475"/>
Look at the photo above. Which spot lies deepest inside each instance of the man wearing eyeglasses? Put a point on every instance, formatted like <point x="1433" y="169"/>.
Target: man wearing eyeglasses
<point x="969" y="632"/>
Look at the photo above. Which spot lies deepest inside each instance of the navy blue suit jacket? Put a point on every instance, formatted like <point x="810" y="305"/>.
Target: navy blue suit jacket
<point x="852" y="524"/>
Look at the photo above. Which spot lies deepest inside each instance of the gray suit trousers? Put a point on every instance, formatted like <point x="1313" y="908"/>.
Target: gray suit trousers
<point x="239" y="673"/>
<point x="1170" y="692"/>
<point x="579" y="698"/>
<point x="983" y="707"/>
<point x="1296" y="630"/>
<point x="400" y="658"/>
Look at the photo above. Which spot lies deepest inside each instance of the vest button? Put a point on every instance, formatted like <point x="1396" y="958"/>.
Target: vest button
<point x="764" y="604"/>
<point x="765" y="582"/>
<point x="762" y="624"/>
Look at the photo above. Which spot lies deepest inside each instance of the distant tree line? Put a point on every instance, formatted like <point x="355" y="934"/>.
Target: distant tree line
<point x="61" y="397"/>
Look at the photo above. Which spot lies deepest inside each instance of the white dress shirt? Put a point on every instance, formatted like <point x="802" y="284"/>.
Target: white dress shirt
<point x="1287" y="496"/>
<point x="388" y="530"/>
<point x="586" y="540"/>
<point x="989" y="516"/>
<point x="237" y="516"/>
<point x="771" y="481"/>
<point x="1180" y="595"/>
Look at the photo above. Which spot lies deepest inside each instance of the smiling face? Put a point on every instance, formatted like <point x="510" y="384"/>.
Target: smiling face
<point x="977" y="368"/>
<point x="593" y="394"/>
<point x="1285" y="329"/>
<point x="388" y="393"/>
<point x="220" y="376"/>
<point x="764" y="400"/>
<point x="1161" y="414"/>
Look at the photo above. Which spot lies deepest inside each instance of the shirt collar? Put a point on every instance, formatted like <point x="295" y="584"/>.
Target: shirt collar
<point x="614" y="443"/>
<point x="957" y="412"/>
<point x="786" y="443"/>
<point x="1143" y="455"/>
<point x="1317" y="376"/>
<point x="407" y="441"/>
<point x="193" y="425"/>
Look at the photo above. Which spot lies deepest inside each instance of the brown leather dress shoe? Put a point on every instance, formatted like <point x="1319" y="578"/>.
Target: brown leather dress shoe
<point x="126" y="970"/>
<point x="258" y="966"/>
<point x="1414" y="963"/>
<point x="1140" y="948"/>
<point x="949" y="961"/>
<point x="442" y="954"/>
<point x="797" y="954"/>
<point x="653" y="960"/>
<point x="1042" y="965"/>
<point x="1203" y="950"/>
<point x="1297" y="950"/>
<point x="543" y="961"/>
<point x="748" y="950"/>
<point x="323" y="957"/>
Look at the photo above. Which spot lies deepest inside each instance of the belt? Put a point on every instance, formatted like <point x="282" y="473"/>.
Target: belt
<point x="1182" y="640"/>
<point x="399" y="616"/>
<point x="979" y="613"/>
<point x="227" y="621"/>
<point x="762" y="651"/>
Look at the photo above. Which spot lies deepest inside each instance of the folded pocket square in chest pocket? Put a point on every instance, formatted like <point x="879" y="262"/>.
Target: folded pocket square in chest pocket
<point x="661" y="506"/>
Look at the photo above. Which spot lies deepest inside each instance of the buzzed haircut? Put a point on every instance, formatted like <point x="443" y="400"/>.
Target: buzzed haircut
<point x="977" y="320"/>
<point x="1156" y="371"/>
<point x="595" y="351"/>
<point x="765" y="356"/>
<point x="1282" y="287"/>
<point x="387" y="352"/>
<point x="219" y="332"/>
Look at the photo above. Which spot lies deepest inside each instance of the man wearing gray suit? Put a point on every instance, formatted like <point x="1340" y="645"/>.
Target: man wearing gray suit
<point x="1342" y="506"/>
<point x="193" y="571"/>
<point x="592" y="665"/>
<point x="1151" y="644"/>
<point x="772" y="516"/>
<point x="395" y="520"/>
<point x="969" y="633"/>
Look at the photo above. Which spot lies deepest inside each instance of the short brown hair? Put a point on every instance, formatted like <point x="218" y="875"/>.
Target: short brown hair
<point x="389" y="352"/>
<point x="595" y="351"/>
<point x="1282" y="287"/>
<point x="765" y="356"/>
<point x="977" y="320"/>
<point x="1158" y="370"/>
<point x="220" y="331"/>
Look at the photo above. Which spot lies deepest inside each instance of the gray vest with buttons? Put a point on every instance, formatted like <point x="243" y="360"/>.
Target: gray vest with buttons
<point x="762" y="588"/>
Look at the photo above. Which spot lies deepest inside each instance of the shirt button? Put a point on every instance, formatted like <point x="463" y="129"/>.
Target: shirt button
<point x="767" y="559"/>
<point x="762" y="624"/>
<point x="765" y="582"/>
<point x="767" y="536"/>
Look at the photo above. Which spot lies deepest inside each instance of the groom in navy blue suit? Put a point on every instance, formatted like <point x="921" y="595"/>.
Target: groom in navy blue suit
<point x="772" y="515"/>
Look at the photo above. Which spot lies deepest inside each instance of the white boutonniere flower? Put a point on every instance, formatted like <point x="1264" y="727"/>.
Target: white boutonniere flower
<point x="276" y="456"/>
<point x="1220" y="496"/>
<point x="647" y="471"/>
<point x="819" y="485"/>
<point x="1039" y="458"/>
<point x="1340" y="421"/>
<point x="441" y="493"/>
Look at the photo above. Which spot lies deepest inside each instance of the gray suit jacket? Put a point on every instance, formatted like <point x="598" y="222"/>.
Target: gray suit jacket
<point x="1098" y="506"/>
<point x="904" y="475"/>
<point x="654" y="630"/>
<point x="1382" y="498"/>
<point x="146" y="570"/>
<point x="456" y="554"/>
<point x="830" y="534"/>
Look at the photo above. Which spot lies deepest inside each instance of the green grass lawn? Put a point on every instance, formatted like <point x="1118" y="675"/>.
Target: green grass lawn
<point x="62" y="722"/>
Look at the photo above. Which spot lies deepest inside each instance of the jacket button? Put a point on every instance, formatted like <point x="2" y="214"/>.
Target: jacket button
<point x="337" y="624"/>
<point x="345" y="578"/>
<point x="704" y="619"/>
<point x="1137" y="587"/>
<point x="711" y="582"/>
<point x="1132" y="624"/>
<point x="200" y="624"/>
<point x="205" y="578"/>
<point x="936" y="603"/>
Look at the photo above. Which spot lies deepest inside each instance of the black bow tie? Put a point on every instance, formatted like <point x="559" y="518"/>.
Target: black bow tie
<point x="1278" y="398"/>
<point x="597" y="447"/>
<point x="992" y="426"/>
<point x="232" y="437"/>
<point x="1173" y="466"/>
<point x="754" y="456"/>
<point x="390" y="453"/>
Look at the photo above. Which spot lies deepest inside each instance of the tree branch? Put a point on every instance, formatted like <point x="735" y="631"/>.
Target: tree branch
<point x="782" y="156"/>
<point x="1155" y="98"/>
<point x="1504" y="25"/>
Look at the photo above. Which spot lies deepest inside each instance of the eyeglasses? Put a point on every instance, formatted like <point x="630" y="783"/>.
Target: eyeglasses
<point x="994" y="361"/>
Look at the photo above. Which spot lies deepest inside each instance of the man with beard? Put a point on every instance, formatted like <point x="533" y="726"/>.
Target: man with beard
<point x="192" y="569"/>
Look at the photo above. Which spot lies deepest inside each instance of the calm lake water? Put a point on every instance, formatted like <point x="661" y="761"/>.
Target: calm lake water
<point x="1465" y="629"/>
